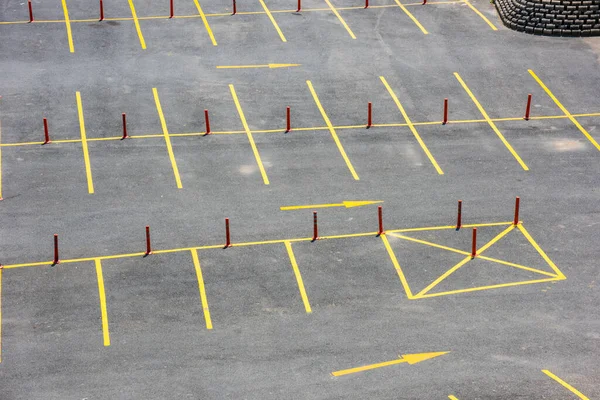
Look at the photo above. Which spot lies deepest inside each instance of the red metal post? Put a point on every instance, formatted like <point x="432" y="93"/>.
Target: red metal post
<point x="445" y="121"/>
<point x="227" y="235"/>
<point x="380" y="215"/>
<point x="207" y="122"/>
<point x="172" y="10"/>
<point x="288" y="126"/>
<point x="366" y="3"/>
<point x="315" y="227"/>
<point x="234" y="8"/>
<point x="148" y="246"/>
<point x="46" y="133"/>
<point x="101" y="10"/>
<point x="474" y="248"/>
<point x="125" y="136"/>
<point x="369" y="115"/>
<point x="30" y="11"/>
<point x="56" y="260"/>
<point x="459" y="219"/>
<point x="517" y="201"/>
<point x="528" y="108"/>
<point x="424" y="2"/>
<point x="299" y="6"/>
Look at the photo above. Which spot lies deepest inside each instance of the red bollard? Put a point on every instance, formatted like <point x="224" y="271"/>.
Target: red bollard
<point x="380" y="215"/>
<point x="207" y="122"/>
<point x="101" y="10"/>
<point x="227" y="236"/>
<point x="30" y="11"/>
<point x="172" y="10"/>
<point x="459" y="219"/>
<point x="528" y="108"/>
<point x="445" y="121"/>
<point x="474" y="247"/>
<point x="424" y="2"/>
<point x="366" y="3"/>
<point x="125" y="136"/>
<point x="369" y="115"/>
<point x="234" y="8"/>
<point x="56" y="259"/>
<point x="315" y="227"/>
<point x="288" y="126"/>
<point x="299" y="6"/>
<point x="46" y="134"/>
<point x="516" y="221"/>
<point x="148" y="246"/>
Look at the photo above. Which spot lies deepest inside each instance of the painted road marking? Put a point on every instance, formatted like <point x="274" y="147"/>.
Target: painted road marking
<point x="264" y="6"/>
<point x="163" y="123"/>
<point x="411" y="126"/>
<point x="452" y="397"/>
<point x="205" y="21"/>
<point x="411" y="17"/>
<point x="337" y="14"/>
<point x="201" y="289"/>
<point x="0" y="159"/>
<point x="347" y="204"/>
<point x="564" y="110"/>
<point x="332" y="131"/>
<point x="68" y="24"/>
<point x="290" y="251"/>
<point x="566" y="385"/>
<point x="487" y="21"/>
<point x="0" y="315"/>
<point x="84" y="146"/>
<point x="102" y="296"/>
<point x="261" y="167"/>
<point x="406" y="358"/>
<point x="271" y="66"/>
<point x="137" y="25"/>
<point x="396" y="264"/>
<point x="541" y="252"/>
<point x="490" y="122"/>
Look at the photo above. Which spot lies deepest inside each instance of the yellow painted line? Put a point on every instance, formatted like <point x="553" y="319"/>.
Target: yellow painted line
<point x="163" y="123"/>
<point x="84" y="146"/>
<point x="411" y="126"/>
<point x="332" y="131"/>
<point x="68" y="24"/>
<point x="426" y="243"/>
<point x="519" y="266"/>
<point x="347" y="204"/>
<point x="270" y="66"/>
<point x="396" y="264"/>
<point x="564" y="110"/>
<point x="490" y="122"/>
<point x="541" y="252"/>
<point x="39" y="143"/>
<point x="337" y="14"/>
<point x="0" y="315"/>
<point x="137" y="25"/>
<point x="205" y="21"/>
<point x="0" y="160"/>
<point x="406" y="358"/>
<point x="566" y="385"/>
<point x="433" y="228"/>
<point x="290" y="251"/>
<point x="261" y="167"/>
<point x="498" y="286"/>
<point x="411" y="17"/>
<point x="201" y="289"/>
<point x="102" y="296"/>
<point x="483" y="17"/>
<point x="452" y="397"/>
<point x="264" y="6"/>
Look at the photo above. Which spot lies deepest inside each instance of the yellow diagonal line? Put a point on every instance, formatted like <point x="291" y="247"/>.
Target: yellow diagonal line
<point x="541" y="252"/>
<point x="498" y="286"/>
<point x="102" y="296"/>
<point x="0" y="315"/>
<point x="290" y="251"/>
<point x="205" y="21"/>
<point x="337" y="14"/>
<point x="367" y="367"/>
<point x="491" y="123"/>
<point x="264" y="6"/>
<point x="201" y="289"/>
<point x="84" y="146"/>
<point x="137" y="25"/>
<point x="563" y="109"/>
<point x="0" y="159"/>
<point x="519" y="266"/>
<point x="163" y="123"/>
<point x="411" y="17"/>
<point x="68" y="24"/>
<point x="566" y="385"/>
<point x="396" y="264"/>
<point x="439" y="246"/>
<point x="411" y="126"/>
<point x="483" y="17"/>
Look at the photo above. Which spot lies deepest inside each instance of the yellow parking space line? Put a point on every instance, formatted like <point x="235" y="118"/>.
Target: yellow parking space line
<point x="566" y="385"/>
<point x="490" y="122"/>
<point x="264" y="6"/>
<point x="519" y="266"/>
<point x="337" y="14"/>
<point x="290" y="251"/>
<point x="541" y="252"/>
<point x="68" y="24"/>
<point x="479" y="288"/>
<point x="483" y="17"/>
<point x="564" y="110"/>
<point x="0" y="315"/>
<point x="396" y="264"/>
<point x="452" y="397"/>
<point x="102" y="296"/>
<point x="201" y="289"/>
<point x="411" y="126"/>
<point x="426" y="243"/>
<point x="137" y="25"/>
<point x="261" y="167"/>
<point x="416" y="21"/>
<point x="163" y="123"/>
<point x="84" y="146"/>
<point x="0" y="160"/>
<point x="205" y="21"/>
<point x="332" y="131"/>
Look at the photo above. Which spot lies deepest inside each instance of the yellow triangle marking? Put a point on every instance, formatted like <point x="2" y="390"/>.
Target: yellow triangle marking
<point x="439" y="246"/>
<point x="540" y="251"/>
<point x="519" y="266"/>
<point x="350" y="204"/>
<point x="416" y="358"/>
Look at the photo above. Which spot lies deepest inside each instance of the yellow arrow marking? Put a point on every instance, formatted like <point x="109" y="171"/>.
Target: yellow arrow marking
<point x="347" y="204"/>
<point x="406" y="358"/>
<point x="271" y="66"/>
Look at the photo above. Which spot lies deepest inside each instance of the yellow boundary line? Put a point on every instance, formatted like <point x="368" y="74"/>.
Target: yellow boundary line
<point x="68" y="24"/>
<point x="411" y="126"/>
<point x="264" y="6"/>
<point x="541" y="252"/>
<point x="498" y="286"/>
<point x="334" y="135"/>
<point x="411" y="17"/>
<point x="0" y="315"/>
<point x="396" y="264"/>
<point x="290" y="251"/>
<point x="137" y="25"/>
<point x="201" y="289"/>
<point x="483" y="17"/>
<point x="564" y="110"/>
<point x="491" y="123"/>
<point x="1" y="159"/>
<point x="84" y="146"/>
<point x="205" y="21"/>
<point x="337" y="14"/>
<point x="261" y="167"/>
<point x="452" y="397"/>
<point x="566" y="385"/>
<point x="163" y="124"/>
<point x="102" y="296"/>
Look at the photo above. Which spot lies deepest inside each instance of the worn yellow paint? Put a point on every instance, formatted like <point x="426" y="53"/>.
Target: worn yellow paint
<point x="290" y="251"/>
<point x="452" y="397"/>
<point x="339" y="17"/>
<point x="201" y="289"/>
<point x="332" y="131"/>
<point x="68" y="25"/>
<point x="541" y="252"/>
<point x="264" y="6"/>
<point x="102" y="296"/>
<point x="483" y="17"/>
<point x="411" y="126"/>
<point x="479" y="288"/>
<point x="0" y="160"/>
<point x="137" y="25"/>
<point x="84" y="146"/>
<point x="271" y="66"/>
<point x="163" y="123"/>
<point x="396" y="264"/>
<point x="566" y="385"/>
<point x="347" y="204"/>
<point x="205" y="21"/>
<point x="0" y="315"/>
<point x="407" y="358"/>
<point x="411" y="17"/>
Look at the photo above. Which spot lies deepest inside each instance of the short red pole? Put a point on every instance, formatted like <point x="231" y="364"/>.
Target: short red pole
<point x="207" y="122"/>
<point x="366" y="3"/>
<point x="424" y="2"/>
<point x="528" y="108"/>
<point x="315" y="227"/>
<point x="299" y="6"/>
<point x="172" y="10"/>
<point x="56" y="260"/>
<point x="459" y="219"/>
<point x="380" y="215"/>
<point x="288" y="126"/>
<point x="517" y="201"/>
<point x="101" y="10"/>
<point x="125" y="136"/>
<point x="46" y="133"/>
<point x="369" y="115"/>
<point x="148" y="246"/>
<point x="474" y="248"/>
<point x="227" y="235"/>
<point x="234" y="8"/>
<point x="445" y="121"/>
<point x="30" y="11"/>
